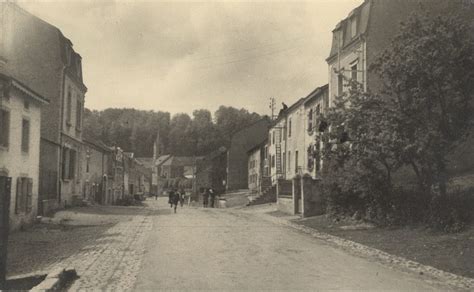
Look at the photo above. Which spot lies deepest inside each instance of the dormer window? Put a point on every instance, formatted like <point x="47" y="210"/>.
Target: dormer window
<point x="353" y="26"/>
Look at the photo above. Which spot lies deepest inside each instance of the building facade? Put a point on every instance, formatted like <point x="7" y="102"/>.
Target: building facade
<point x="50" y="67"/>
<point x="20" y="119"/>
<point x="241" y="142"/>
<point x="256" y="167"/>
<point x="315" y="107"/>
<point x="98" y="185"/>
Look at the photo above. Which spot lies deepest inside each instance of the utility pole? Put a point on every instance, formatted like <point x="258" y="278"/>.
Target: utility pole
<point x="272" y="107"/>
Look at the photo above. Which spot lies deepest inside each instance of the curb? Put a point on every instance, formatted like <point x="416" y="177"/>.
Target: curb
<point x="56" y="279"/>
<point x="440" y="276"/>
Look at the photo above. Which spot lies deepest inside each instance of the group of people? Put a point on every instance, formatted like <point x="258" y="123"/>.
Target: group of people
<point x="208" y="193"/>
<point x="175" y="197"/>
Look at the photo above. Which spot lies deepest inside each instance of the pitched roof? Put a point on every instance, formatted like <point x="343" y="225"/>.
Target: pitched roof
<point x="180" y="161"/>
<point x="289" y="110"/>
<point x="316" y="94"/>
<point x="38" y="64"/>
<point x="258" y="146"/>
<point x="344" y="29"/>
<point x="145" y="161"/>
<point x="97" y="144"/>
<point x="162" y="159"/>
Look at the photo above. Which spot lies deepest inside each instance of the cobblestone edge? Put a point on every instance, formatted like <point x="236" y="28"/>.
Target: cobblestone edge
<point x="440" y="276"/>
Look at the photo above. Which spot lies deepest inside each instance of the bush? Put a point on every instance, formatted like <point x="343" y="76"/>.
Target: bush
<point x="451" y="213"/>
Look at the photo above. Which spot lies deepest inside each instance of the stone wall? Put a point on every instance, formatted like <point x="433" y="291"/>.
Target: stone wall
<point x="312" y="197"/>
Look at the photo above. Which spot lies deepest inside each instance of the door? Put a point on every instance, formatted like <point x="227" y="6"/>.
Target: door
<point x="5" y="194"/>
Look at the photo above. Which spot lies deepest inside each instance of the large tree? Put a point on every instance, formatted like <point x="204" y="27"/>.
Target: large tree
<point x="428" y="78"/>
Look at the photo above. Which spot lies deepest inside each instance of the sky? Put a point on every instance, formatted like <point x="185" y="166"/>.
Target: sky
<point x="182" y="56"/>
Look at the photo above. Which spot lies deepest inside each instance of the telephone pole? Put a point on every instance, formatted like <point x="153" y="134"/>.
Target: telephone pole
<point x="272" y="107"/>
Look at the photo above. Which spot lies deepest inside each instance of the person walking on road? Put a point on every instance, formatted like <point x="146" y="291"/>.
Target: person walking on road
<point x="205" y="198"/>
<point x="182" y="194"/>
<point x="170" y="198"/>
<point x="213" y="197"/>
<point x="175" y="198"/>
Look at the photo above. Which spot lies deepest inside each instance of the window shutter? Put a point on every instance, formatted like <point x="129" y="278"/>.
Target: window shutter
<point x="29" y="195"/>
<point x="18" y="194"/>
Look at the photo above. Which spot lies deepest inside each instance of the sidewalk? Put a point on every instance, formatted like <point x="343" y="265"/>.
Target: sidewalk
<point x="104" y="244"/>
<point x="444" y="258"/>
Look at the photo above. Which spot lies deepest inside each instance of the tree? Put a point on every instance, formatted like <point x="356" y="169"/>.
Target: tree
<point x="428" y="79"/>
<point x="228" y="120"/>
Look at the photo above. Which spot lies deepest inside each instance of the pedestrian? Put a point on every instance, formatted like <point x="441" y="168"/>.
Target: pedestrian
<point x="156" y="195"/>
<point x="205" y="198"/>
<point x="175" y="199"/>
<point x="213" y="197"/>
<point x="182" y="194"/>
<point x="170" y="197"/>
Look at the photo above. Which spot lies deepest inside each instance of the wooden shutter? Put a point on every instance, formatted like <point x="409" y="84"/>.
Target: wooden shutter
<point x="18" y="195"/>
<point x="29" y="195"/>
<point x="4" y="127"/>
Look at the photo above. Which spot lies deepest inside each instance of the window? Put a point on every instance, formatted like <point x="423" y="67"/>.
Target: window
<point x="68" y="108"/>
<point x="273" y="137"/>
<point x="289" y="160"/>
<point x="273" y="160"/>
<point x="353" y="26"/>
<point x="317" y="114"/>
<point x="25" y="136"/>
<point x="68" y="163"/>
<point x="340" y="36"/>
<point x="88" y="158"/>
<point x="296" y="161"/>
<point x="354" y="72"/>
<point x="310" y="120"/>
<point x="340" y="83"/>
<point x="4" y="127"/>
<point x="24" y="188"/>
<point x="289" y="127"/>
<point x="26" y="105"/>
<point x="78" y="114"/>
<point x="284" y="162"/>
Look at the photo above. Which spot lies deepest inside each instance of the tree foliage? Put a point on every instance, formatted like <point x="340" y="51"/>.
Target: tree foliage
<point x="428" y="75"/>
<point x="423" y="110"/>
<point x="136" y="130"/>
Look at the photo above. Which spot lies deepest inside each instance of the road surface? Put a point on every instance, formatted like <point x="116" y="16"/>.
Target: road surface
<point x="223" y="249"/>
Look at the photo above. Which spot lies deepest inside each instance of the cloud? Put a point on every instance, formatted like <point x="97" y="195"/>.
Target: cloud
<point x="181" y="56"/>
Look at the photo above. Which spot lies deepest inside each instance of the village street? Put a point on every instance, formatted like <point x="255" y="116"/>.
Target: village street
<point x="223" y="249"/>
<point x="151" y="248"/>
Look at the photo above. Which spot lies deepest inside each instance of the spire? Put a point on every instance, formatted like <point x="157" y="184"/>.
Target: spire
<point x="156" y="146"/>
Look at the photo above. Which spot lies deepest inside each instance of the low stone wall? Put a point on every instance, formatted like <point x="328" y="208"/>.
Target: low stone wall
<point x="285" y="205"/>
<point x="312" y="200"/>
<point x="284" y="188"/>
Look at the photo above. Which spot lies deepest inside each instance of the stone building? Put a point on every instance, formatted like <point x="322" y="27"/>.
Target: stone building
<point x="98" y="172"/>
<point x="286" y="142"/>
<point x="40" y="56"/>
<point x="241" y="142"/>
<point x="315" y="106"/>
<point x="258" y="174"/>
<point x="292" y="149"/>
<point x="20" y="119"/>
<point x="211" y="171"/>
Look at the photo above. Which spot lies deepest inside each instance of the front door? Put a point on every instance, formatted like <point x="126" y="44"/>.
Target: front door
<point x="5" y="194"/>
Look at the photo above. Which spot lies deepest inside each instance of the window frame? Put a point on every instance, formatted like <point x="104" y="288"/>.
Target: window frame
<point x="25" y="146"/>
<point x="5" y="134"/>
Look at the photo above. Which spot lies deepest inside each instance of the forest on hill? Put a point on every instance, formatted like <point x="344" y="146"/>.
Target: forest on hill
<point x="181" y="134"/>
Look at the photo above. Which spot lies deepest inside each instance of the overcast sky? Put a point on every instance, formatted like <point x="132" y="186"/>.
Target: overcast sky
<point x="178" y="57"/>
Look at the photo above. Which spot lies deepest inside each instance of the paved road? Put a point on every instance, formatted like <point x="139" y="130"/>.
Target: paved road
<point x="219" y="249"/>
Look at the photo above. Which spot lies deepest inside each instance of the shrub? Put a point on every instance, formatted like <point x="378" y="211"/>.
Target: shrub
<point x="451" y="213"/>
